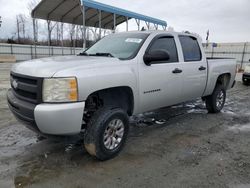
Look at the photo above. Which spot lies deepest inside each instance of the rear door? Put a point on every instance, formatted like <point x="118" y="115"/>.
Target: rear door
<point x="159" y="85"/>
<point x="194" y="66"/>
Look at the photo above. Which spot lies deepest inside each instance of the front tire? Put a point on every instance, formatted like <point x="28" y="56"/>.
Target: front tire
<point x="106" y="133"/>
<point x="216" y="101"/>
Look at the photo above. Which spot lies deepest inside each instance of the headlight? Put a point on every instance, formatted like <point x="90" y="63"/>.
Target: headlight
<point x="60" y="90"/>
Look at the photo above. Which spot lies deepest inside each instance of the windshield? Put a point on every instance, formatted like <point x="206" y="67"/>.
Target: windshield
<point x="122" y="46"/>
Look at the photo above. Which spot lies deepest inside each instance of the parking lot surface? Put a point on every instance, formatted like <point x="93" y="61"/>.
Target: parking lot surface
<point x="190" y="149"/>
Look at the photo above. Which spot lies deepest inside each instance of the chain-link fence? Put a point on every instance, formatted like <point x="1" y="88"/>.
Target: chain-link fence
<point x="27" y="52"/>
<point x="239" y="51"/>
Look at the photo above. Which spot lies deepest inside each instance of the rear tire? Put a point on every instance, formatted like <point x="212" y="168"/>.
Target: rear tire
<point x="246" y="83"/>
<point x="106" y="133"/>
<point x="216" y="101"/>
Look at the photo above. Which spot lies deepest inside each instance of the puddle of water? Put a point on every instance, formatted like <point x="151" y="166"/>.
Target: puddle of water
<point x="240" y="186"/>
<point x="197" y="111"/>
<point x="13" y="140"/>
<point x="229" y="112"/>
<point x="178" y="106"/>
<point x="242" y="128"/>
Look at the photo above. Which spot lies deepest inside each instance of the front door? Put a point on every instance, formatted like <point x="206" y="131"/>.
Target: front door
<point x="160" y="83"/>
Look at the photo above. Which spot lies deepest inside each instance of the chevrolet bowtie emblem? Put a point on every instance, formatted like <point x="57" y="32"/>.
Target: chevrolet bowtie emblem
<point x="15" y="84"/>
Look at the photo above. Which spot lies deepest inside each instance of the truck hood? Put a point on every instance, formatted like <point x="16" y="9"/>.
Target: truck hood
<point x="47" y="67"/>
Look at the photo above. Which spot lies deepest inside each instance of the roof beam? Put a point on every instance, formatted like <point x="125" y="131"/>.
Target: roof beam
<point x="75" y="18"/>
<point x="103" y="19"/>
<point x="63" y="16"/>
<point x="91" y="17"/>
<point x="55" y="8"/>
<point x="112" y="21"/>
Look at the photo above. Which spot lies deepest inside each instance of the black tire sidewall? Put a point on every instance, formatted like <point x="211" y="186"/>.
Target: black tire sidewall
<point x="218" y="89"/>
<point x="117" y="114"/>
<point x="93" y="138"/>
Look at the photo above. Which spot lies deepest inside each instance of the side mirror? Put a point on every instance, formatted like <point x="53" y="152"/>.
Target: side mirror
<point x="156" y="55"/>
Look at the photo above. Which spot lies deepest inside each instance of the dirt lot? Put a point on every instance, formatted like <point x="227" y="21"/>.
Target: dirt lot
<point x="192" y="149"/>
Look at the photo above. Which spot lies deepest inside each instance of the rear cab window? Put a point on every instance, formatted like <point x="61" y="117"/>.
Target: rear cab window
<point x="191" y="48"/>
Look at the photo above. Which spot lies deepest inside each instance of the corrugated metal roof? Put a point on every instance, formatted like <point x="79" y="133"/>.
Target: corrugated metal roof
<point x="69" y="11"/>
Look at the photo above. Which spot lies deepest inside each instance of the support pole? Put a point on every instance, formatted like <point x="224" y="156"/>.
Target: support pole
<point x="100" y="24"/>
<point x="138" y="22"/>
<point x="84" y="26"/>
<point x="62" y="38"/>
<point x="114" y="23"/>
<point x="49" y="35"/>
<point x="75" y="40"/>
<point x="126" y="23"/>
<point x="156" y="26"/>
<point x="212" y="51"/>
<point x="35" y="35"/>
<point x="243" y="56"/>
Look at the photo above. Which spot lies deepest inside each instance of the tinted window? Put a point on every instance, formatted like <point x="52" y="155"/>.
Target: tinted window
<point x="168" y="44"/>
<point x="190" y="47"/>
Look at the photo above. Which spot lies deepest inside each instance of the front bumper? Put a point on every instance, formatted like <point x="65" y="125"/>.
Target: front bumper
<point x="23" y="111"/>
<point x="52" y="119"/>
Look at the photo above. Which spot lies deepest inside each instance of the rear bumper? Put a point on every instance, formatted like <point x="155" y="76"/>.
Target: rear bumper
<point x="51" y="119"/>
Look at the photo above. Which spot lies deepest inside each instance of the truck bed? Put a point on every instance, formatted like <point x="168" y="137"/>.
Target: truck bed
<point x="218" y="66"/>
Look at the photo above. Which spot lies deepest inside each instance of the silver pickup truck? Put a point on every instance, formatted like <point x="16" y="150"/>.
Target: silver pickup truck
<point x="121" y="75"/>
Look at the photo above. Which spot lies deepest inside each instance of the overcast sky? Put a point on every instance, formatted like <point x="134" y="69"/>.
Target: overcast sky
<point x="227" y="20"/>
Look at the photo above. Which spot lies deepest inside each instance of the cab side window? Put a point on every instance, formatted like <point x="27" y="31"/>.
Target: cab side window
<point x="191" y="49"/>
<point x="168" y="44"/>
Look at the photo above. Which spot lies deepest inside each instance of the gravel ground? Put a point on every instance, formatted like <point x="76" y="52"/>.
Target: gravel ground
<point x="191" y="149"/>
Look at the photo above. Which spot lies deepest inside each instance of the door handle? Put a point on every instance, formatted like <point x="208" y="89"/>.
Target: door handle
<point x="202" y="68"/>
<point x="177" y="71"/>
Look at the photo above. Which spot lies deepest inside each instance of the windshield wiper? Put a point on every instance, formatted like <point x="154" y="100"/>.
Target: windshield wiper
<point x="102" y="54"/>
<point x="83" y="54"/>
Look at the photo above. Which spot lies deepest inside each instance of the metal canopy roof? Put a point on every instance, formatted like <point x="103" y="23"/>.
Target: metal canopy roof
<point x="70" y="11"/>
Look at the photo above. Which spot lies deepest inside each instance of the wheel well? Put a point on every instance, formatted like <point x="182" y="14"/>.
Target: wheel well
<point x="224" y="80"/>
<point x="121" y="97"/>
